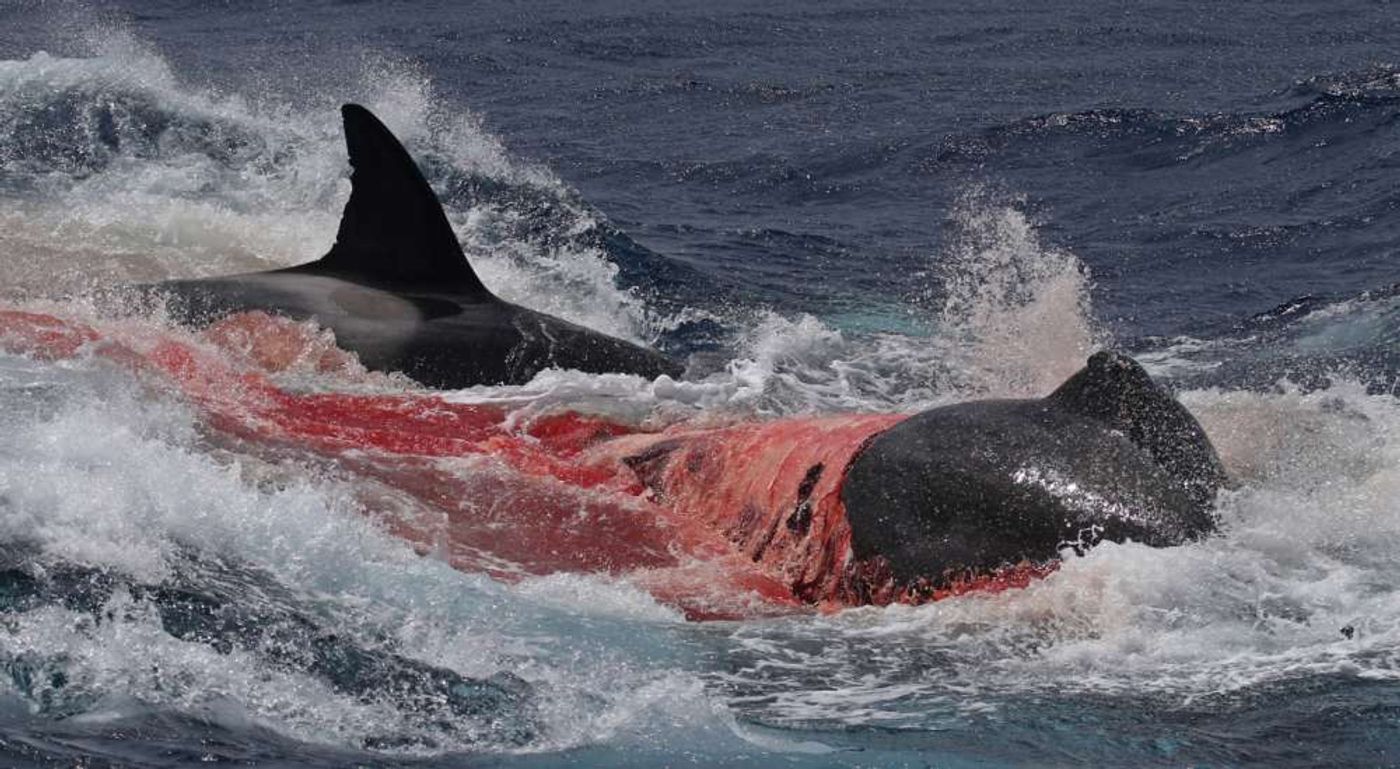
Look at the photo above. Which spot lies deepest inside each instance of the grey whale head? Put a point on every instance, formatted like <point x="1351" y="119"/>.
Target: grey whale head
<point x="975" y="487"/>
<point x="397" y="290"/>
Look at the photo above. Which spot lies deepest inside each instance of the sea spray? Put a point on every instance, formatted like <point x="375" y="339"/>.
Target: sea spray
<point x="1016" y="312"/>
<point x="119" y="171"/>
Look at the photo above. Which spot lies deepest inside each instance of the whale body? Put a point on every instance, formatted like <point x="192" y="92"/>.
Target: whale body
<point x="397" y="290"/>
<point x="897" y="507"/>
<point x="858" y="509"/>
<point x="831" y="510"/>
<point x="1109" y="455"/>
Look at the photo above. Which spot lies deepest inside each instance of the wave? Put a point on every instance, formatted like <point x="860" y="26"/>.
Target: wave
<point x="1294" y="592"/>
<point x="148" y="567"/>
<point x="124" y="173"/>
<point x="1318" y="110"/>
<point x="1309" y="342"/>
<point x="112" y="159"/>
<point x="120" y="505"/>
<point x="151" y="575"/>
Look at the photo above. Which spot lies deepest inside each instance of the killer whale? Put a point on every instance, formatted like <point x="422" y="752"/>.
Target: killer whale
<point x="965" y="489"/>
<point x="1110" y="455"/>
<point x="397" y="290"/>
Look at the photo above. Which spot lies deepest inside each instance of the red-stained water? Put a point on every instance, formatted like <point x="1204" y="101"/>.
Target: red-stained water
<point x="723" y="521"/>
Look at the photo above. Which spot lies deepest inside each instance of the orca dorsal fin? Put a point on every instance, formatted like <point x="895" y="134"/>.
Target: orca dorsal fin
<point x="1118" y="391"/>
<point x="393" y="230"/>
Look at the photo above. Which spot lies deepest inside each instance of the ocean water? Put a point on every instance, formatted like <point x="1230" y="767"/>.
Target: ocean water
<point x="822" y="208"/>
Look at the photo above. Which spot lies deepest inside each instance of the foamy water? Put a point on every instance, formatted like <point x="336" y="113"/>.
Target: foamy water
<point x="104" y="470"/>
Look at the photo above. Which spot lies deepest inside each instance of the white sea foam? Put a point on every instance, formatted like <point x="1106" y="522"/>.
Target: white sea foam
<point x="98" y="471"/>
<point x="227" y="185"/>
<point x="1307" y="548"/>
<point x="1018" y="310"/>
<point x="95" y="469"/>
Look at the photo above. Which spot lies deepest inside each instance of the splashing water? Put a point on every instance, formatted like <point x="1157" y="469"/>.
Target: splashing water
<point x="124" y="173"/>
<point x="116" y="495"/>
<point x="1017" y="313"/>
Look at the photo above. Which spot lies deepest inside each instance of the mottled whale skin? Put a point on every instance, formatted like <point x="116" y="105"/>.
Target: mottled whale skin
<point x="397" y="290"/>
<point x="979" y="486"/>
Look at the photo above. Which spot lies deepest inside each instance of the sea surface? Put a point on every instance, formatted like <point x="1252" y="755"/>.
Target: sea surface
<point x="823" y="207"/>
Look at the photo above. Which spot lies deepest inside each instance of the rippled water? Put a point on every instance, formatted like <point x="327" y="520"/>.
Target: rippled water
<point x="843" y="208"/>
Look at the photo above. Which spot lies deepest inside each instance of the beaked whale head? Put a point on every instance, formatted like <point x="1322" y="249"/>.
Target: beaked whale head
<point x="976" y="487"/>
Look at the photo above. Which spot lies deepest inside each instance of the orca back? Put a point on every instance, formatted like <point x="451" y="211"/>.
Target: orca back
<point x="397" y="290"/>
<point x="393" y="231"/>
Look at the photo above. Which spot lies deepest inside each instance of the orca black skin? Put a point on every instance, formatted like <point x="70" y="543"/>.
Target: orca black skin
<point x="974" y="487"/>
<point x="397" y="290"/>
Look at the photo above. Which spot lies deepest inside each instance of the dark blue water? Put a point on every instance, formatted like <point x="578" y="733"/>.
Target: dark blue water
<point x="823" y="207"/>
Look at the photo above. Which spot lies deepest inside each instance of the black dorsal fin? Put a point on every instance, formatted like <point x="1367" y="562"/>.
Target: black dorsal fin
<point x="393" y="230"/>
<point x="1116" y="390"/>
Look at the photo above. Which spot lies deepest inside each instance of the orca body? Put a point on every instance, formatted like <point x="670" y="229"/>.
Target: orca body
<point x="980" y="486"/>
<point x="397" y="290"/>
